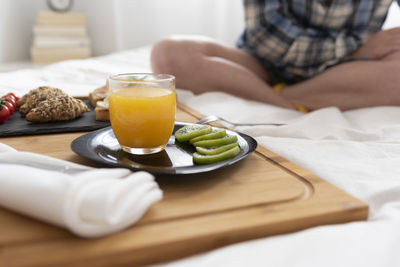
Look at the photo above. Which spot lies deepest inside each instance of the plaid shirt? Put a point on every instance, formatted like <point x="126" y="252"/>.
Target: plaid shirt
<point x="298" y="39"/>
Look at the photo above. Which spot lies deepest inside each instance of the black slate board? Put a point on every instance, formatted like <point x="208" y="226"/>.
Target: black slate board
<point x="17" y="125"/>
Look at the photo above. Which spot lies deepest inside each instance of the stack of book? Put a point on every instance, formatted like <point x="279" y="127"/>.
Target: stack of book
<point x="59" y="36"/>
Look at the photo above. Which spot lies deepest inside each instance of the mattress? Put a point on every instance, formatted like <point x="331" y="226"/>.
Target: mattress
<point x="358" y="151"/>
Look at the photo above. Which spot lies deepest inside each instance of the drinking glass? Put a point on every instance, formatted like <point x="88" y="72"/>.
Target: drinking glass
<point x="142" y="111"/>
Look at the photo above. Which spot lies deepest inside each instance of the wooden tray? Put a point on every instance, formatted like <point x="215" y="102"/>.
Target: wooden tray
<point x="260" y="196"/>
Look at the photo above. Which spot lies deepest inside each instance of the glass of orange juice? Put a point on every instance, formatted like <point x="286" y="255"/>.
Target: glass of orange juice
<point x="142" y="111"/>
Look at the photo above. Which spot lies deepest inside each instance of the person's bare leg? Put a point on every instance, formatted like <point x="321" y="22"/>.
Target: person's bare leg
<point x="351" y="85"/>
<point x="204" y="65"/>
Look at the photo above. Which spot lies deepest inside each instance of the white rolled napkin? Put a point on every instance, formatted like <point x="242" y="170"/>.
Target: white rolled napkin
<point x="89" y="202"/>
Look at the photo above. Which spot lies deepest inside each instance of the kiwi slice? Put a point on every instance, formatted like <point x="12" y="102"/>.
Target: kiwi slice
<point x="213" y="135"/>
<point x="207" y="159"/>
<point x="217" y="142"/>
<point x="191" y="131"/>
<point x="215" y="150"/>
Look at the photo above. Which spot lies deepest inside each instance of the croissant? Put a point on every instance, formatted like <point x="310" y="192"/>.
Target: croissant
<point x="58" y="108"/>
<point x="34" y="97"/>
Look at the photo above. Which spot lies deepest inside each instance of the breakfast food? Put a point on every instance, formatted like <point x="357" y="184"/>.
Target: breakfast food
<point x="5" y="112"/>
<point x="8" y="103"/>
<point x="216" y="142"/>
<point x="207" y="159"/>
<point x="101" y="111"/>
<point x="215" y="150"/>
<point x="98" y="99"/>
<point x="46" y="103"/>
<point x="212" y="144"/>
<point x="219" y="133"/>
<point x="191" y="131"/>
<point x="35" y="96"/>
<point x="58" y="108"/>
<point x="97" y="95"/>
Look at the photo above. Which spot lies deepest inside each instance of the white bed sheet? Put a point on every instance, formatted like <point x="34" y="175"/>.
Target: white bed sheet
<point x="358" y="151"/>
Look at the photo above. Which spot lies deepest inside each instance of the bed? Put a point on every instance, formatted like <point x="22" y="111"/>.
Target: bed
<point x="358" y="151"/>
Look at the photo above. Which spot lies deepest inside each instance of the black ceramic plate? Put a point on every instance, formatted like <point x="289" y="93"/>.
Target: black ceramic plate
<point x="102" y="147"/>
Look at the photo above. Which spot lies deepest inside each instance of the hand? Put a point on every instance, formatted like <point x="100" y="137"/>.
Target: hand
<point x="380" y="45"/>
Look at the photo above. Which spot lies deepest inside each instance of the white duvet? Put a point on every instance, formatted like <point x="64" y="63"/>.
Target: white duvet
<point x="358" y="151"/>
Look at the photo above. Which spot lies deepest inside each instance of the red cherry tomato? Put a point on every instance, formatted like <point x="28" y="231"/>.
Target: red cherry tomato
<point x="12" y="94"/>
<point x="10" y="106"/>
<point x="4" y="113"/>
<point x="9" y="99"/>
<point x="16" y="98"/>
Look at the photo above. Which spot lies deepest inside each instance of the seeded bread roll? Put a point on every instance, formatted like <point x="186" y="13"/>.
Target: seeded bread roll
<point x="34" y="97"/>
<point x="58" y="108"/>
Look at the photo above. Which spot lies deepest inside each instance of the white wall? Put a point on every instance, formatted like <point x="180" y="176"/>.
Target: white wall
<point x="122" y="24"/>
<point x="16" y="19"/>
<point x="102" y="24"/>
<point x="115" y="25"/>
<point x="142" y="22"/>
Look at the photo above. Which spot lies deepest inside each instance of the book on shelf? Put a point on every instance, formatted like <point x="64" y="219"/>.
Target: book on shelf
<point x="48" y="55"/>
<point x="60" y="41"/>
<point x="46" y="18"/>
<point x="59" y="36"/>
<point x="59" y="31"/>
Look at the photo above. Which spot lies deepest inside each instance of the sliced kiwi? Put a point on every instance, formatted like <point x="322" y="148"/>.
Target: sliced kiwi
<point x="215" y="150"/>
<point x="191" y="131"/>
<point x="217" y="142"/>
<point x="219" y="133"/>
<point x="207" y="159"/>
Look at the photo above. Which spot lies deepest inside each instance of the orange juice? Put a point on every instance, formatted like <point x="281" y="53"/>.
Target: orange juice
<point x="142" y="117"/>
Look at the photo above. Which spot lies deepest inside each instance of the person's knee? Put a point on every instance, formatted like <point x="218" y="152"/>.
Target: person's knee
<point x="172" y="56"/>
<point x="162" y="55"/>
